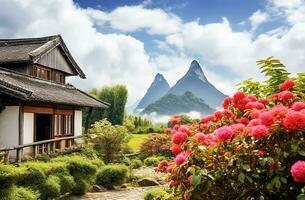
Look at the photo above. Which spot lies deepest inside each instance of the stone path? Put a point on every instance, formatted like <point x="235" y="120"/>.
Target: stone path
<point x="136" y="193"/>
<point x="130" y="193"/>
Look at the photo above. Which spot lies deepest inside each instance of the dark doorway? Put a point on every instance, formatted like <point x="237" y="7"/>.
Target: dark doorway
<point x="43" y="124"/>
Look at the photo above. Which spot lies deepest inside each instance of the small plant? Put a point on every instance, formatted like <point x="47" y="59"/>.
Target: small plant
<point x="108" y="140"/>
<point x="136" y="163"/>
<point x="112" y="175"/>
<point x="153" y="160"/>
<point x="158" y="194"/>
<point x="156" y="145"/>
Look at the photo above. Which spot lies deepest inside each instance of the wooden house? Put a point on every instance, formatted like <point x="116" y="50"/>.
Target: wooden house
<point x="39" y="104"/>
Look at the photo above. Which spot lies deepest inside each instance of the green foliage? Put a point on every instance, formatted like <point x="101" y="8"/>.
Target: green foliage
<point x="8" y="176"/>
<point x="112" y="175"/>
<point x="22" y="193"/>
<point x="156" y="144"/>
<point x="51" y="188"/>
<point x="67" y="183"/>
<point x="132" y="163"/>
<point x="108" y="139"/>
<point x="276" y="73"/>
<point x="116" y="96"/>
<point x="158" y="194"/>
<point x="153" y="160"/>
<point x="81" y="187"/>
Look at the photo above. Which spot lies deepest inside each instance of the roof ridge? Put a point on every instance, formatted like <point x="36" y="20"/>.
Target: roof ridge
<point x="21" y="41"/>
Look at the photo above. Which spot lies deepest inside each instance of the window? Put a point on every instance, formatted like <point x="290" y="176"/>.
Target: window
<point x="48" y="74"/>
<point x="41" y="72"/>
<point x="63" y="125"/>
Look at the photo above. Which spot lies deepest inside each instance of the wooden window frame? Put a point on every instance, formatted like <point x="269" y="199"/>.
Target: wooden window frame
<point x="50" y="74"/>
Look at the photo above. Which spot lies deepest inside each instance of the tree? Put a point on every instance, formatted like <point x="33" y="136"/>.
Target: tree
<point x="108" y="139"/>
<point x="116" y="96"/>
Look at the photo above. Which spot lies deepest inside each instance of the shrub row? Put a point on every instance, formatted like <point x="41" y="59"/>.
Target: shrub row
<point x="60" y="176"/>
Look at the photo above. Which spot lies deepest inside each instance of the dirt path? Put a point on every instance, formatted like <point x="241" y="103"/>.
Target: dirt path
<point x="130" y="193"/>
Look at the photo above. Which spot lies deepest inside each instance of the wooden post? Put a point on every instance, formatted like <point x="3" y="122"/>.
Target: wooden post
<point x="54" y="147"/>
<point x="19" y="155"/>
<point x="7" y="157"/>
<point x="48" y="148"/>
<point x="20" y="131"/>
<point x="35" y="151"/>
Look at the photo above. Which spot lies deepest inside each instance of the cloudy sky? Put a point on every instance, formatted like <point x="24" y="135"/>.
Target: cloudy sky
<point x="124" y="41"/>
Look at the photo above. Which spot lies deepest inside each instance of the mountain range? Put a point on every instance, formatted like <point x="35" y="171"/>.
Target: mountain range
<point x="193" y="92"/>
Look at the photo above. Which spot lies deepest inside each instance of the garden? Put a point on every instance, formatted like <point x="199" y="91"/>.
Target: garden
<point x="253" y="148"/>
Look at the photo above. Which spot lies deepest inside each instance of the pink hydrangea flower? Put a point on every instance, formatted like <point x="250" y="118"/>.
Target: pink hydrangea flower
<point x="259" y="131"/>
<point x="286" y="95"/>
<point x="226" y="102"/>
<point x="176" y="149"/>
<point x="180" y="159"/>
<point x="179" y="137"/>
<point x="294" y="120"/>
<point x="266" y="118"/>
<point x="297" y="106"/>
<point x="238" y="96"/>
<point x="173" y="183"/>
<point x="169" y="169"/>
<point x="286" y="85"/>
<point x="224" y="133"/>
<point x="255" y="122"/>
<point x="298" y="171"/>
<point x="200" y="137"/>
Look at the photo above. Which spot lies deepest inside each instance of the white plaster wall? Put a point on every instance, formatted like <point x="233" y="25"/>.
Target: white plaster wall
<point x="9" y="123"/>
<point x="77" y="122"/>
<point x="28" y="128"/>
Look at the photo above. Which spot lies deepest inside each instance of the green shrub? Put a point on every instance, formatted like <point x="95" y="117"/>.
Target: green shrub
<point x="48" y="168"/>
<point x="157" y="194"/>
<point x="136" y="163"/>
<point x="67" y="184"/>
<point x="21" y="193"/>
<point x="51" y="188"/>
<point x="31" y="176"/>
<point x="153" y="160"/>
<point x="126" y="161"/>
<point x="81" y="187"/>
<point x="8" y="177"/>
<point x="112" y="175"/>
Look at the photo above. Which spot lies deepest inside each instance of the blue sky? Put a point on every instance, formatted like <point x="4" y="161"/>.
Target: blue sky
<point x="128" y="42"/>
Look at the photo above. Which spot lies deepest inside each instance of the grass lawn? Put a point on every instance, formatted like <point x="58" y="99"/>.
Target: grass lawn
<point x="136" y="140"/>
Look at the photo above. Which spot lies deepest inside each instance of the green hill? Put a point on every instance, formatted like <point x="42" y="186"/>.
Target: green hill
<point x="171" y="104"/>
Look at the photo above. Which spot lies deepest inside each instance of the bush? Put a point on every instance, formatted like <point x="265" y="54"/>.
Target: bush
<point x="136" y="163"/>
<point x="157" y="194"/>
<point x="21" y="193"/>
<point x="153" y="160"/>
<point x="67" y="184"/>
<point x="81" y="187"/>
<point x="8" y="176"/>
<point x="51" y="188"/>
<point x="108" y="140"/>
<point x="112" y="175"/>
<point x="252" y="149"/>
<point x="32" y="176"/>
<point x="156" y="145"/>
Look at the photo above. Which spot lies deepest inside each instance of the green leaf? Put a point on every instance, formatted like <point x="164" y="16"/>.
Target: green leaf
<point x="284" y="180"/>
<point x="302" y="152"/>
<point x="196" y="180"/>
<point x="206" y="187"/>
<point x="241" y="177"/>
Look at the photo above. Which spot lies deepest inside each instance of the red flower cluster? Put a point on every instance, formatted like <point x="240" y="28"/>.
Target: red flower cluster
<point x="179" y="137"/>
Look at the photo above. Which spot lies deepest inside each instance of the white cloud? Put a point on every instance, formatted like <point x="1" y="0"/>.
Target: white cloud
<point x="135" y="18"/>
<point x="105" y="58"/>
<point x="258" y="18"/>
<point x="120" y="58"/>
